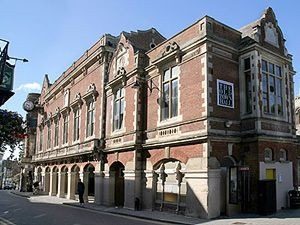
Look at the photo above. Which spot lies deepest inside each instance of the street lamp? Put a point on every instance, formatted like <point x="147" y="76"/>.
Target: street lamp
<point x="138" y="83"/>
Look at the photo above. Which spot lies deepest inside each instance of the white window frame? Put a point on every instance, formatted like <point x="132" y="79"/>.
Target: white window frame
<point x="118" y="99"/>
<point x="90" y="119"/>
<point x="56" y="132"/>
<point x="65" y="130"/>
<point x="284" y="152"/>
<point x="76" y="127"/>
<point x="270" y="158"/>
<point x="169" y="101"/>
<point x="49" y="136"/>
<point x="268" y="93"/>
<point x="41" y="139"/>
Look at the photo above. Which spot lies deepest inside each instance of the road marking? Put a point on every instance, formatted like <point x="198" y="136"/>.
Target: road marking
<point x="5" y="212"/>
<point x="39" y="216"/>
<point x="5" y="221"/>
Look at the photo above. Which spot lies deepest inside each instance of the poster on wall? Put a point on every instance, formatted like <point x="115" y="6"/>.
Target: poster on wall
<point x="225" y="94"/>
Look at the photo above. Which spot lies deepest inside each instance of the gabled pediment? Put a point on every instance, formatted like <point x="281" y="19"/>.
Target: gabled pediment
<point x="46" y="83"/>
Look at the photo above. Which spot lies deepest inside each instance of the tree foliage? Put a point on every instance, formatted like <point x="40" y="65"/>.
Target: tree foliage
<point x="12" y="131"/>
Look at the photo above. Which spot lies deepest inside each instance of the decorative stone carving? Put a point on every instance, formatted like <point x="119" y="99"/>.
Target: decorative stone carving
<point x="91" y="88"/>
<point x="179" y="177"/>
<point x="179" y="174"/>
<point x="121" y="71"/>
<point x="66" y="97"/>
<point x="90" y="92"/>
<point x="271" y="35"/>
<point x="170" y="48"/>
<point x="84" y="71"/>
<point x="56" y="115"/>
<point x="77" y="102"/>
<point x="77" y="97"/>
<point x="162" y="175"/>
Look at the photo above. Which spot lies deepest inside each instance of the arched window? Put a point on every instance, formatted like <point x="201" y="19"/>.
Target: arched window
<point x="268" y="154"/>
<point x="282" y="155"/>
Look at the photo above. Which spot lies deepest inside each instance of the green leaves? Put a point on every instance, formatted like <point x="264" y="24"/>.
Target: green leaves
<point x="12" y="131"/>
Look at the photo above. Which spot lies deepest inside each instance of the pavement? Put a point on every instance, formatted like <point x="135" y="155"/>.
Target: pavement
<point x="287" y="216"/>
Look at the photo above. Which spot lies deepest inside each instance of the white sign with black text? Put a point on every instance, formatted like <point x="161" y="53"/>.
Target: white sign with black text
<point x="225" y="94"/>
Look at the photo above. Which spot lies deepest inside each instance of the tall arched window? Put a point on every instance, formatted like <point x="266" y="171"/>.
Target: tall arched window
<point x="282" y="155"/>
<point x="268" y="154"/>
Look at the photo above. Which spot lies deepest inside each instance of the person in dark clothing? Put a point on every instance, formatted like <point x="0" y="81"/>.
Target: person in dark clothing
<point x="80" y="190"/>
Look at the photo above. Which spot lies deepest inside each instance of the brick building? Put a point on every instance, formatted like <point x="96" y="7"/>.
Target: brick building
<point x="188" y="124"/>
<point x="297" y="114"/>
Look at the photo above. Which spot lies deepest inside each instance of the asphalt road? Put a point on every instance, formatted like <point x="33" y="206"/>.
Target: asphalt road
<point x="16" y="210"/>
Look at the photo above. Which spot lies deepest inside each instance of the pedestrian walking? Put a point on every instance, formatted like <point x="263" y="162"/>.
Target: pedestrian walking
<point x="80" y="190"/>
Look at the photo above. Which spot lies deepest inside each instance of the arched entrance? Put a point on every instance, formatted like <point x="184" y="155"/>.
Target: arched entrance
<point x="63" y="184"/>
<point x="117" y="183"/>
<point x="169" y="186"/>
<point x="89" y="179"/>
<point x="54" y="181"/>
<point x="39" y="175"/>
<point x="73" y="180"/>
<point x="229" y="186"/>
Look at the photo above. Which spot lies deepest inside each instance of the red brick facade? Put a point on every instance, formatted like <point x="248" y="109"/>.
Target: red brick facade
<point x="207" y="122"/>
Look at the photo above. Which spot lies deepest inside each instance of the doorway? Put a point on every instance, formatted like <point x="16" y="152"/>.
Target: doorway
<point x="116" y="172"/>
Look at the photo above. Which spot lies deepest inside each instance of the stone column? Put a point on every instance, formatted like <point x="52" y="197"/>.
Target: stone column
<point x="129" y="189"/>
<point x="197" y="193"/>
<point x="148" y="190"/>
<point x="61" y="184"/>
<point x="71" y="185"/>
<point x="99" y="182"/>
<point x="53" y="184"/>
<point x="110" y="185"/>
<point x="132" y="188"/>
<point x="42" y="184"/>
<point x="36" y="174"/>
<point x="47" y="182"/>
<point x="214" y="191"/>
<point x="85" y="179"/>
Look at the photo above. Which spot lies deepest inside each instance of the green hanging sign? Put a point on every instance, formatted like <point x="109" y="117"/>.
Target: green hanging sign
<point x="8" y="77"/>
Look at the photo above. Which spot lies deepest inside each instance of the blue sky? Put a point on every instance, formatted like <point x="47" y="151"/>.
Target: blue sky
<point x="53" y="34"/>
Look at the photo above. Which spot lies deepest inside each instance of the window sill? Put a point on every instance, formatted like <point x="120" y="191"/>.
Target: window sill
<point x="89" y="138"/>
<point x="120" y="131"/>
<point x="64" y="145"/>
<point x="269" y="161"/>
<point x="169" y="121"/>
<point x="274" y="116"/>
<point x="75" y="142"/>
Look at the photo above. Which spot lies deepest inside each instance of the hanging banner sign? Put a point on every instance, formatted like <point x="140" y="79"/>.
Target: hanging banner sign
<point x="225" y="94"/>
<point x="8" y="77"/>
